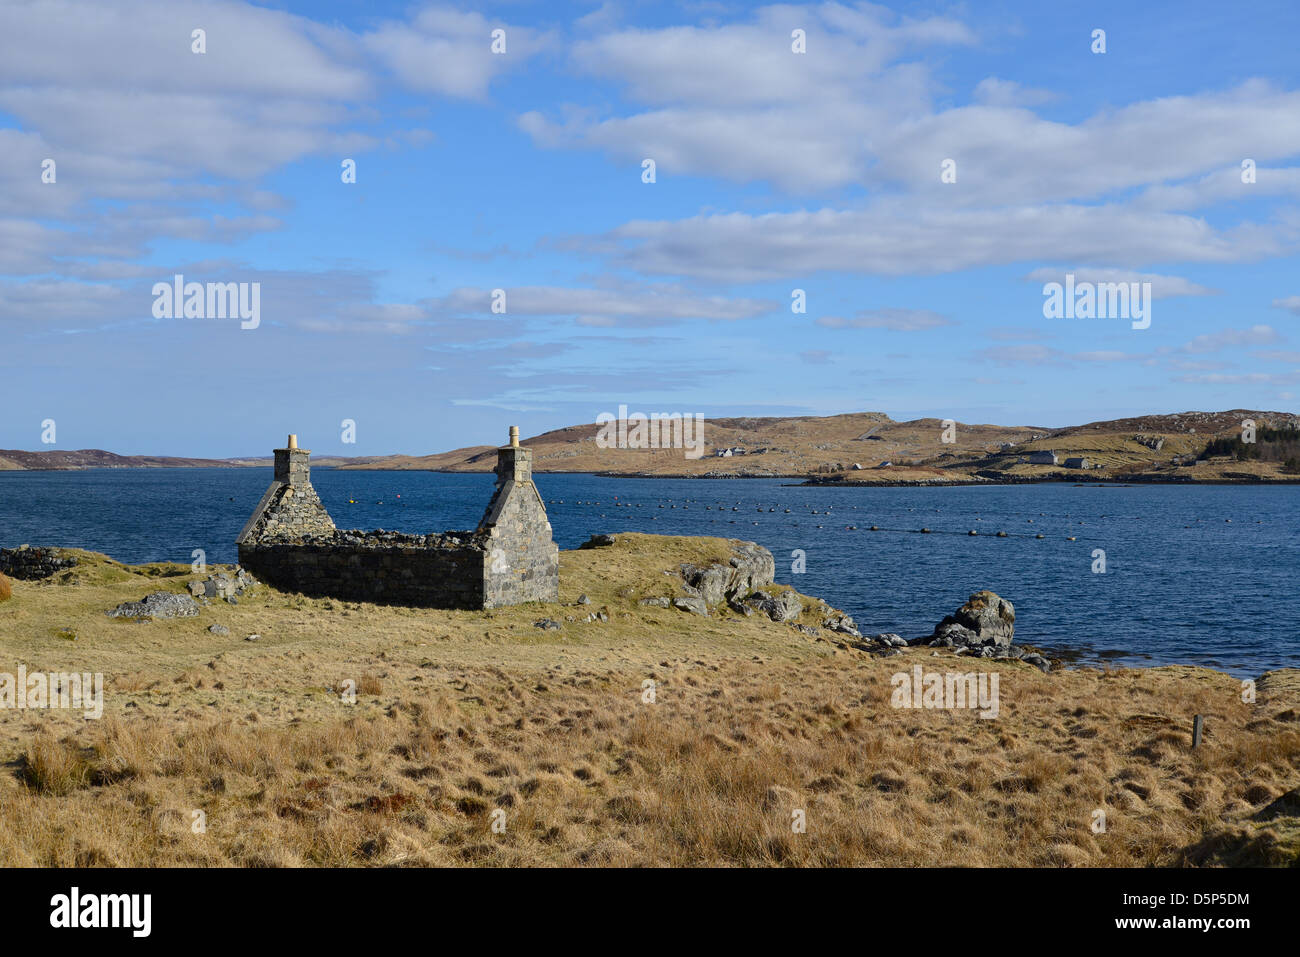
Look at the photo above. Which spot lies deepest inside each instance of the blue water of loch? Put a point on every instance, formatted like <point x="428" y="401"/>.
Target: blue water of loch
<point x="1197" y="575"/>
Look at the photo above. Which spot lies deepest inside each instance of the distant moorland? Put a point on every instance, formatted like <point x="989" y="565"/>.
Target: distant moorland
<point x="862" y="448"/>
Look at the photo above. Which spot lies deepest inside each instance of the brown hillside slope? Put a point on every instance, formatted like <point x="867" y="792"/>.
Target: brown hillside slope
<point x="829" y="447"/>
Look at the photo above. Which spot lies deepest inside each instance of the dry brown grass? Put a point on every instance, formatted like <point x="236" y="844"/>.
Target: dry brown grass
<point x="462" y="717"/>
<point x="6" y="589"/>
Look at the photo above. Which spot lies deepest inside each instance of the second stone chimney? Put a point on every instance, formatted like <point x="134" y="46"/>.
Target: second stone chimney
<point x="292" y="464"/>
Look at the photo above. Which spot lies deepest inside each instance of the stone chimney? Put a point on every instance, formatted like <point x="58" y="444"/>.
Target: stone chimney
<point x="514" y="462"/>
<point x="292" y="464"/>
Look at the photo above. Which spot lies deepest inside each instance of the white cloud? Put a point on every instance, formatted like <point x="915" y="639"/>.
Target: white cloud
<point x="893" y="237"/>
<point x="449" y="52"/>
<point x="1162" y="287"/>
<point x="1257" y="335"/>
<point x="622" y="304"/>
<point x="899" y="320"/>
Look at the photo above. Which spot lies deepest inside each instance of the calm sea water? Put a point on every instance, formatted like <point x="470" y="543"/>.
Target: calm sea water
<point x="1201" y="575"/>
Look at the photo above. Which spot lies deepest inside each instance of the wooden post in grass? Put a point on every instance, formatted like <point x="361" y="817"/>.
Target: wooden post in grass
<point x="1197" y="726"/>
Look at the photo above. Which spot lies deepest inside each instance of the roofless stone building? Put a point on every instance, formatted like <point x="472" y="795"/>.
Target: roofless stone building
<point x="291" y="542"/>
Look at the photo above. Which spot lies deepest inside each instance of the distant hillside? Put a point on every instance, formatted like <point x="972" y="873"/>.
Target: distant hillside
<point x="59" y="460"/>
<point x="858" y="448"/>
<point x="870" y="447"/>
<point x="96" y="459"/>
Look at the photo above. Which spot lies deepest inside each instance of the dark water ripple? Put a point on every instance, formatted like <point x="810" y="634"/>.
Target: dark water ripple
<point x="1198" y="575"/>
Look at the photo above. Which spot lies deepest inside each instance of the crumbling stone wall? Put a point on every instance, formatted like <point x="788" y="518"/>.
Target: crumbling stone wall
<point x="31" y="564"/>
<point x="291" y="543"/>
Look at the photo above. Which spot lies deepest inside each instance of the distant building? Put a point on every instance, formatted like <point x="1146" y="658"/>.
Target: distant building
<point x="1077" y="463"/>
<point x="1042" y="458"/>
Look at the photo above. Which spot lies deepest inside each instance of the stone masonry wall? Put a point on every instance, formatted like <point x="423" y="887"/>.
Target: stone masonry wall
<point x="377" y="567"/>
<point x="32" y="563"/>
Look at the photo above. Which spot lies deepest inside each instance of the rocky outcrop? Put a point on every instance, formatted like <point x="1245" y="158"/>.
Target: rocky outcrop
<point x="159" y="605"/>
<point x="983" y="628"/>
<point x="30" y="564"/>
<point x="839" y="622"/>
<point x="985" y="619"/>
<point x="780" y="608"/>
<point x="750" y="567"/>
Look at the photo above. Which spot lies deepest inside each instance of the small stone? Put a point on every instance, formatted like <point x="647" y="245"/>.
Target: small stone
<point x="219" y="629"/>
<point x="253" y="638"/>
<point x="584" y="600"/>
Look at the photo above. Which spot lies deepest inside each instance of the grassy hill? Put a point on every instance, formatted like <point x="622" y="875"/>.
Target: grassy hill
<point x="870" y="447"/>
<point x="461" y="715"/>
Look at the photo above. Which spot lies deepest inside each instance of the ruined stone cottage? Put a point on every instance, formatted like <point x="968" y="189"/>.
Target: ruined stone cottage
<point x="291" y="542"/>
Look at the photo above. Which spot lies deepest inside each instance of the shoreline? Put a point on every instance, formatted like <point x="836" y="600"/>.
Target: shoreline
<point x="802" y="480"/>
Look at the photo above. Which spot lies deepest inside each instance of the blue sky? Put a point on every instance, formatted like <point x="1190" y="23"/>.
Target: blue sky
<point x="522" y="171"/>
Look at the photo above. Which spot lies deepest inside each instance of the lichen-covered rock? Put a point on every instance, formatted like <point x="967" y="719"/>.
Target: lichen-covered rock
<point x="749" y="568"/>
<point x="839" y="622"/>
<point x="985" y="619"/>
<point x="159" y="605"/>
<point x="694" y="605"/>
<point x="890" y="640"/>
<point x="781" y="608"/>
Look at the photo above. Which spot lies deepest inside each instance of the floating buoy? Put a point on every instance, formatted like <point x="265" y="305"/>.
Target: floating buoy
<point x="875" y="528"/>
<point x="972" y="532"/>
<point x="925" y="531"/>
<point x="1002" y="534"/>
<point x="1072" y="539"/>
<point x="1040" y="535"/>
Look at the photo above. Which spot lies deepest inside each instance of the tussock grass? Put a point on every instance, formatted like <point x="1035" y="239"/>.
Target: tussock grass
<point x="461" y="717"/>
